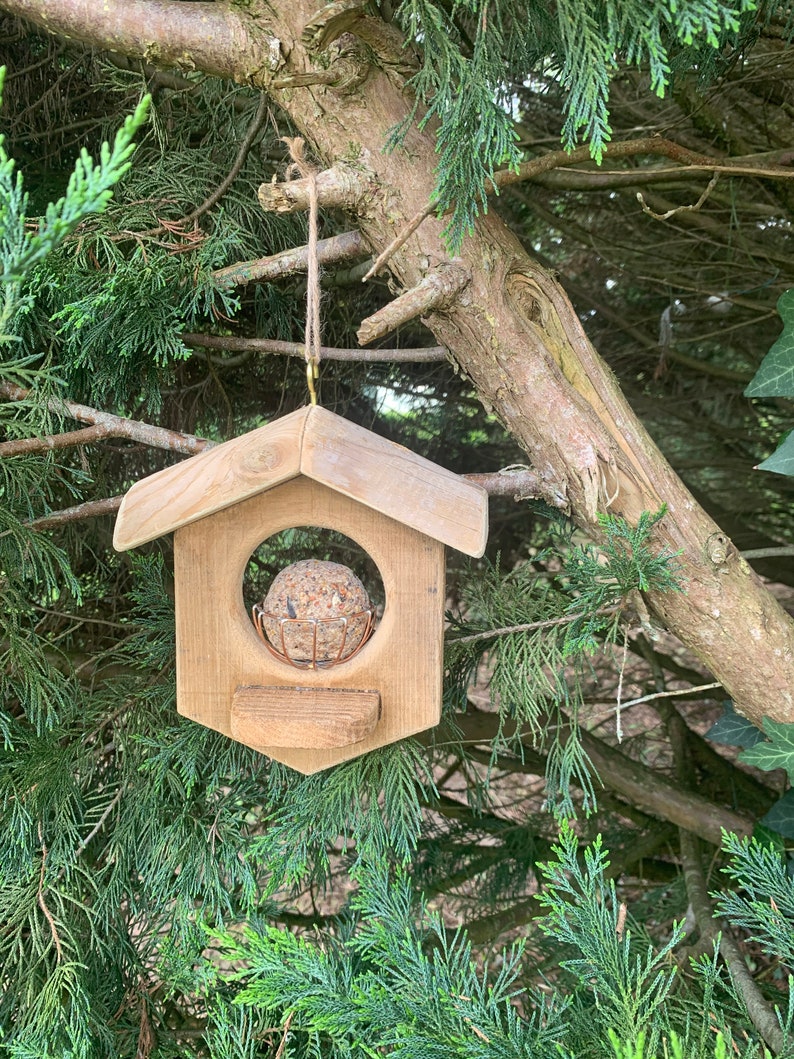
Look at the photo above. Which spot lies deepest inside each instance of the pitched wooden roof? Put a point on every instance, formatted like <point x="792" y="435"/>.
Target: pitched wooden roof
<point x="320" y="445"/>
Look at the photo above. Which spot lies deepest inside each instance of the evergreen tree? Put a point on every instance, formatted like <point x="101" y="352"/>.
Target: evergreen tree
<point x="166" y="891"/>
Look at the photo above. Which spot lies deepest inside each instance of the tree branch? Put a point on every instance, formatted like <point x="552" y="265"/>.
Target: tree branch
<point x="532" y="626"/>
<point x="761" y="1014"/>
<point x="650" y="145"/>
<point x="41" y="901"/>
<point x="669" y="694"/>
<point x="433" y="293"/>
<point x="485" y="929"/>
<point x="346" y="247"/>
<point x="231" y="176"/>
<point x="521" y="483"/>
<point x="212" y="37"/>
<point x="639" y="785"/>
<point x="21" y="446"/>
<point x="107" y="426"/>
<point x="90" y="509"/>
<point x="429" y="354"/>
<point x="611" y="179"/>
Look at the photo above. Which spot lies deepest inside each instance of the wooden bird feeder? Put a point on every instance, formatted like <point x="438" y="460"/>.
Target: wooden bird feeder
<point x="310" y="468"/>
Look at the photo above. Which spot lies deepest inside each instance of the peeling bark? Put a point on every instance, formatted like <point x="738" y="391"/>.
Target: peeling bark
<point x="202" y="36"/>
<point x="512" y="331"/>
<point x="437" y="290"/>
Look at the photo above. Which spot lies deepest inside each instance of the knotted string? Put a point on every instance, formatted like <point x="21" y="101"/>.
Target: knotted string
<point x="311" y="339"/>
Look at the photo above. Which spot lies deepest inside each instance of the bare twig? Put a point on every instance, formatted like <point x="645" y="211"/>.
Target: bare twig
<point x="42" y="903"/>
<point x="107" y="425"/>
<point x="619" y="696"/>
<point x="83" y="845"/>
<point x="678" y="209"/>
<point x="177" y="227"/>
<point x="90" y="509"/>
<point x="296" y="349"/>
<point x="670" y="694"/>
<point x="559" y="160"/>
<point x="605" y="179"/>
<point x="648" y="145"/>
<point x="283" y="1042"/>
<point x="639" y="785"/>
<point x="691" y="163"/>
<point x="768" y="553"/>
<point x="253" y="129"/>
<point x="528" y="627"/>
<point x="399" y="241"/>
<point x="20" y="446"/>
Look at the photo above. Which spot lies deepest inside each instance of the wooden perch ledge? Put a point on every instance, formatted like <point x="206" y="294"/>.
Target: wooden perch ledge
<point x="436" y="291"/>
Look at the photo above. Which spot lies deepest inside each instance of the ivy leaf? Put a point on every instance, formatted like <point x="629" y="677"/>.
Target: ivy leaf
<point x="734" y="730"/>
<point x="775" y="753"/>
<point x="767" y="836"/>
<point x="782" y="459"/>
<point x="775" y="376"/>
<point x="780" y="817"/>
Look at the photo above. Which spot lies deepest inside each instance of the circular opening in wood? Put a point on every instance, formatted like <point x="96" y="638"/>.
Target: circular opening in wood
<point x="314" y="596"/>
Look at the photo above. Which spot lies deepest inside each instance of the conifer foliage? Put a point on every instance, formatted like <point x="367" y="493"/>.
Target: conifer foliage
<point x="473" y="52"/>
<point x="522" y="881"/>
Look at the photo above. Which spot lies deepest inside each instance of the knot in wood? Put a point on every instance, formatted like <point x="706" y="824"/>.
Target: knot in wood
<point x="527" y="298"/>
<point x="718" y="548"/>
<point x="331" y="22"/>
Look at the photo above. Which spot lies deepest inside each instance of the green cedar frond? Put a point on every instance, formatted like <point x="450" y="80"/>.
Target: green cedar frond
<point x="392" y="979"/>
<point x="373" y="804"/>
<point x="582" y="912"/>
<point x="604" y="578"/>
<point x="461" y="83"/>
<point x="88" y="191"/>
<point x="34" y="557"/>
<point x="535" y="673"/>
<point x="761" y="898"/>
<point x="152" y="647"/>
<point x="589" y="60"/>
<point x="635" y="1048"/>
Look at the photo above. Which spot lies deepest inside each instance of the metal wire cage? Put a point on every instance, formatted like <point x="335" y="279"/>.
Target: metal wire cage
<point x="313" y="643"/>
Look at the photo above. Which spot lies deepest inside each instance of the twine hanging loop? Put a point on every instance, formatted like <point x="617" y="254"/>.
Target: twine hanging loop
<point x="312" y="340"/>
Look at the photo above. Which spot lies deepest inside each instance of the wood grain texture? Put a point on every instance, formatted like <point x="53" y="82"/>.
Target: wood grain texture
<point x="312" y="441"/>
<point x="395" y="481"/>
<point x="210" y="482"/>
<point x="218" y="649"/>
<point x="303" y="717"/>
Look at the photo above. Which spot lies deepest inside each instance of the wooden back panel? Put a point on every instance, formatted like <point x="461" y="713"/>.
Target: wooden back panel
<point x="218" y="650"/>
